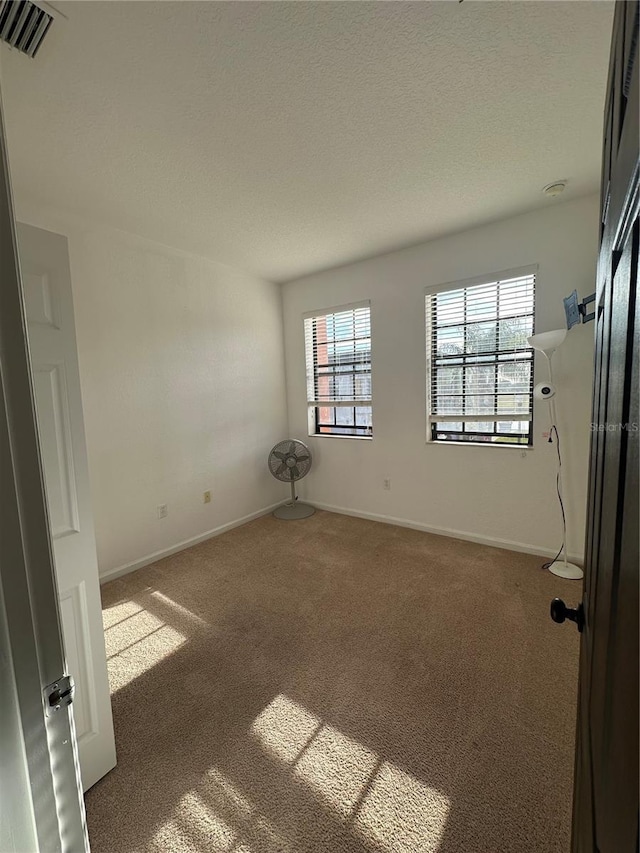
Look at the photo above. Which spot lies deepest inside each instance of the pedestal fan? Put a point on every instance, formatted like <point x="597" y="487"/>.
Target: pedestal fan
<point x="290" y="461"/>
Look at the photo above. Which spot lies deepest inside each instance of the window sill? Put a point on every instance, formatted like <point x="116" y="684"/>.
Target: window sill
<point x="331" y="435"/>
<point x="494" y="445"/>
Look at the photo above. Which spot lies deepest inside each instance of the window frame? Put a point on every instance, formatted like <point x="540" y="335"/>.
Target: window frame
<point x="313" y="407"/>
<point x="431" y="418"/>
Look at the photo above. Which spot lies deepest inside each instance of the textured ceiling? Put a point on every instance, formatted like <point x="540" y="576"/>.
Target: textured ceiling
<point x="286" y="137"/>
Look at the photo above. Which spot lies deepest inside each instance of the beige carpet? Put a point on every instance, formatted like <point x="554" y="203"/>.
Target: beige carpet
<point x="335" y="685"/>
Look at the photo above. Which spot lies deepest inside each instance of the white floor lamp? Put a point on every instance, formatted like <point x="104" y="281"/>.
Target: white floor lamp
<point x="548" y="343"/>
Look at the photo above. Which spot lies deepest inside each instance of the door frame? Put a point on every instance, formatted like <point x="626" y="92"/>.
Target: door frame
<point x="26" y="568"/>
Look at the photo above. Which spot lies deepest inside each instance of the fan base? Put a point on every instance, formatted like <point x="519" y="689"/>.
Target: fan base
<point x="293" y="511"/>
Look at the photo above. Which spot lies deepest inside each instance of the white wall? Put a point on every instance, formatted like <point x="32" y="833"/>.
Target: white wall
<point x="500" y="494"/>
<point x="182" y="375"/>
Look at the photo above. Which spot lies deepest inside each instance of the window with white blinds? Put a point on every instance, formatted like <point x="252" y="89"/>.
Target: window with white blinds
<point x="338" y="356"/>
<point x="479" y="365"/>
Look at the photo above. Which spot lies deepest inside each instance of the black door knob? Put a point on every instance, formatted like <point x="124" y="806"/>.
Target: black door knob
<point x="560" y="612"/>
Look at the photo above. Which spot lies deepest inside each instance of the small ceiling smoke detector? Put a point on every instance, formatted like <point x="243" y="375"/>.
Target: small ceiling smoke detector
<point x="555" y="188"/>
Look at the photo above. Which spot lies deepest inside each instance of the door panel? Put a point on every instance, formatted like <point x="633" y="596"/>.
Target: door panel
<point x="605" y="818"/>
<point x="76" y="633"/>
<point x="38" y="299"/>
<point x="55" y="445"/>
<point x="51" y="331"/>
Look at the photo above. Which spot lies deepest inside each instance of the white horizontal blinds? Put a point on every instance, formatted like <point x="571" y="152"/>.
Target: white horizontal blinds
<point x="481" y="367"/>
<point x="338" y="355"/>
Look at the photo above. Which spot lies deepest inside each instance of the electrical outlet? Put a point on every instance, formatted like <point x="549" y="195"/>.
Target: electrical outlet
<point x="386" y="485"/>
<point x="206" y="497"/>
<point x="163" y="511"/>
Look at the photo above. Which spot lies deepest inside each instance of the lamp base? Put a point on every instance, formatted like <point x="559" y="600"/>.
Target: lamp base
<point x="566" y="570"/>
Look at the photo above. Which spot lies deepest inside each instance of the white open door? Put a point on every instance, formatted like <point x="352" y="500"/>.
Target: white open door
<point x="44" y="262"/>
<point x="41" y="806"/>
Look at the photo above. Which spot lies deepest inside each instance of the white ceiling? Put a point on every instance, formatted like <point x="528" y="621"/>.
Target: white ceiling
<point x="286" y="137"/>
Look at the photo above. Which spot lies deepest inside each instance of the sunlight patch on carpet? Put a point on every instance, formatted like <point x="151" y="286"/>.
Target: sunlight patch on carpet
<point x="401" y="814"/>
<point x="181" y="611"/>
<point x="222" y="793"/>
<point x="386" y="807"/>
<point x="213" y="832"/>
<point x="171" y="837"/>
<point x="336" y="767"/>
<point x="112" y="616"/>
<point x="217" y="818"/>
<point x="194" y="828"/>
<point x="130" y="631"/>
<point x="135" y="643"/>
<point x="285" y="728"/>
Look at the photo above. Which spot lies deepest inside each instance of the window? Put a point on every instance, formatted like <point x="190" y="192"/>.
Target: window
<point x="338" y="354"/>
<point x="479" y="365"/>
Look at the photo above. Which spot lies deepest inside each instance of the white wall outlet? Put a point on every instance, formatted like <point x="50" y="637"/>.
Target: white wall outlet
<point x="163" y="510"/>
<point x="206" y="497"/>
<point x="386" y="485"/>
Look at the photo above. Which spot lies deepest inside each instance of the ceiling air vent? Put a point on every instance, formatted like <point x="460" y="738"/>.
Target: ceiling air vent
<point x="23" y="25"/>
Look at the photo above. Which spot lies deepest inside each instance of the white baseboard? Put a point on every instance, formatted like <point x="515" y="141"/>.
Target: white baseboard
<point x="505" y="544"/>
<point x="111" y="574"/>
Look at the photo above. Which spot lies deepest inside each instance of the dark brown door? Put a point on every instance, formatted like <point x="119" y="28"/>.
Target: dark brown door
<point x="605" y="817"/>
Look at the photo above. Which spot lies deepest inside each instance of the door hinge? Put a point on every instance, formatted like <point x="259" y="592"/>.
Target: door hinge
<point x="59" y="694"/>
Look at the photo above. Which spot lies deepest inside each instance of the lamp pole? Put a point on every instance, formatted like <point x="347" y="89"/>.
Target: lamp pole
<point x="563" y="569"/>
<point x="547" y="343"/>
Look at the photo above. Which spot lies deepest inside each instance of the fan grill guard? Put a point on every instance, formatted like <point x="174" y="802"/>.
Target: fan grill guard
<point x="290" y="460"/>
